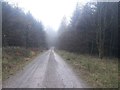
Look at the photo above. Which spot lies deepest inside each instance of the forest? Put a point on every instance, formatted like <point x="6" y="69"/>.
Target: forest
<point x="93" y="29"/>
<point x="89" y="41"/>
<point x="20" y="29"/>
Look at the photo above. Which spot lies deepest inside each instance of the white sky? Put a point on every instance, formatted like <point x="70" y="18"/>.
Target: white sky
<point x="50" y="12"/>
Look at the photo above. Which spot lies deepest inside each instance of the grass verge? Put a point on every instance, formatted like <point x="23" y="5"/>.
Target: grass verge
<point x="96" y="72"/>
<point x="15" y="58"/>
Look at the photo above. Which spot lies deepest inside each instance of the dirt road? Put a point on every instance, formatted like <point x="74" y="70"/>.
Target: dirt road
<point x="46" y="71"/>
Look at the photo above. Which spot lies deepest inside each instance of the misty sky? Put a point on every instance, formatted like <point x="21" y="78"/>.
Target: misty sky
<point x="50" y="12"/>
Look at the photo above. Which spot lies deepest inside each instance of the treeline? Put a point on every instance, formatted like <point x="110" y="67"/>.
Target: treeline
<point x="93" y="29"/>
<point x="21" y="29"/>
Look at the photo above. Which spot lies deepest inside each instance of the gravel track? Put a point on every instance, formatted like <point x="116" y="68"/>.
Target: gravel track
<point x="48" y="70"/>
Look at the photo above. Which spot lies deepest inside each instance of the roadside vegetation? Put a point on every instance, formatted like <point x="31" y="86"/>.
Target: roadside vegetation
<point x="96" y="72"/>
<point x="15" y="58"/>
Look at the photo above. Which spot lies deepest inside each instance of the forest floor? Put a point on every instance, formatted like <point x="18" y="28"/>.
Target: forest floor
<point x="15" y="58"/>
<point x="96" y="72"/>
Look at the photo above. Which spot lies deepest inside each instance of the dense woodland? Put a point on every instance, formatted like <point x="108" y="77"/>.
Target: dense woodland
<point x="20" y="29"/>
<point x="93" y="30"/>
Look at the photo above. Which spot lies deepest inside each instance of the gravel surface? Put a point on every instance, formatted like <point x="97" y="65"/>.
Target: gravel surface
<point x="46" y="71"/>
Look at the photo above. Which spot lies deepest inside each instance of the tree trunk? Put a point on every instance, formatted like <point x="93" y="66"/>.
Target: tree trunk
<point x="101" y="52"/>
